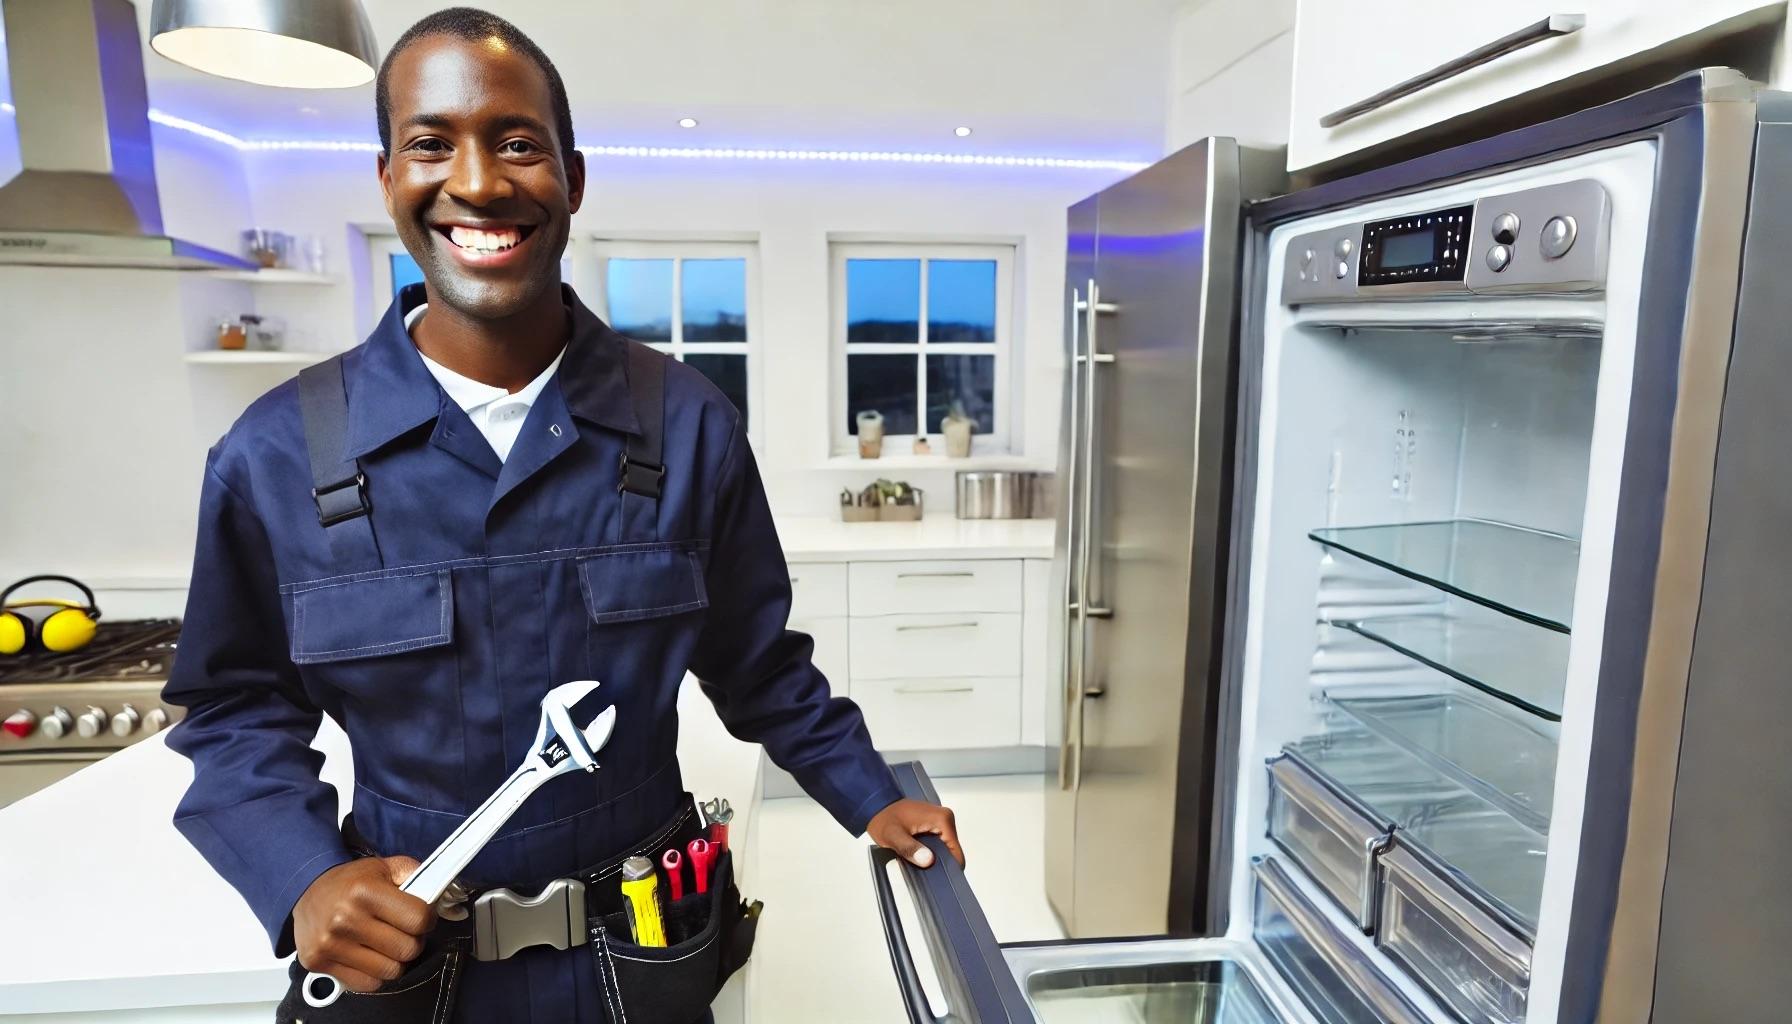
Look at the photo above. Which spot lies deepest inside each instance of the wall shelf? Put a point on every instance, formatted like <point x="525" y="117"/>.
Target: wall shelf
<point x="247" y="357"/>
<point x="275" y="276"/>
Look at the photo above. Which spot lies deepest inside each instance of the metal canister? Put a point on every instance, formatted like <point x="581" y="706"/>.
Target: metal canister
<point x="995" y="494"/>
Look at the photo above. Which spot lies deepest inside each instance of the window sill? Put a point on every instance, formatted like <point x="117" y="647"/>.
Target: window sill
<point x="853" y="463"/>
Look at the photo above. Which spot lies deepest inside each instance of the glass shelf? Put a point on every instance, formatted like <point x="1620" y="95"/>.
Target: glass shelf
<point x="1512" y="661"/>
<point x="1498" y="758"/>
<point x="1523" y="573"/>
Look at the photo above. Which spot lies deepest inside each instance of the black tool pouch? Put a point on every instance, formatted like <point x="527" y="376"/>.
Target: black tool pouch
<point x="424" y="992"/>
<point x="709" y="936"/>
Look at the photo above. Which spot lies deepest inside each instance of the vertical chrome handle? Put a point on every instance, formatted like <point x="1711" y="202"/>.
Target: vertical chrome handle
<point x="1073" y="627"/>
<point x="1087" y="608"/>
<point x="1530" y="35"/>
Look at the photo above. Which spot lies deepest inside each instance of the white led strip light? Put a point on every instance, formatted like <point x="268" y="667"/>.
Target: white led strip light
<point x="678" y="153"/>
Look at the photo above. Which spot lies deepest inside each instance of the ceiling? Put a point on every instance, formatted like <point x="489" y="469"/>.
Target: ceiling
<point x="1031" y="77"/>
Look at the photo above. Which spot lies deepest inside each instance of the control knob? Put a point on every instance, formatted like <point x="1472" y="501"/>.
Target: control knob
<point x="92" y="722"/>
<point x="125" y="722"/>
<point x="58" y="722"/>
<point x="156" y="720"/>
<point x="20" y="723"/>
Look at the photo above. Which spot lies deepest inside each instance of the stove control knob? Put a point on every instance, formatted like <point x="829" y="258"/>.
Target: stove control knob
<point x="20" y="723"/>
<point x="125" y="722"/>
<point x="92" y="722"/>
<point x="58" y="722"/>
<point x="155" y="721"/>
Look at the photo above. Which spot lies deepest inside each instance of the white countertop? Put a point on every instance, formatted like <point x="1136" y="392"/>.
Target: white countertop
<point x="818" y="539"/>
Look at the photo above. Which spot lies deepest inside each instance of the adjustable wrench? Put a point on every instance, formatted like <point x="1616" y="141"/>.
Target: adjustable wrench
<point x="559" y="748"/>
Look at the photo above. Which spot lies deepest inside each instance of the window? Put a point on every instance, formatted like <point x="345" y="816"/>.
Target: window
<point x="692" y="300"/>
<point x="919" y="330"/>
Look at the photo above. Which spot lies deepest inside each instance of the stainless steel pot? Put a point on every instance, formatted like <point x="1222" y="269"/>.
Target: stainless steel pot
<point x="995" y="494"/>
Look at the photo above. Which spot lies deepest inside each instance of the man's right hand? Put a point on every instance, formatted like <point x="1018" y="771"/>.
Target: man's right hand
<point x="356" y="925"/>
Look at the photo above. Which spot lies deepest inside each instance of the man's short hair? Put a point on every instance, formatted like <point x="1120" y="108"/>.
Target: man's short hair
<point x="473" y="25"/>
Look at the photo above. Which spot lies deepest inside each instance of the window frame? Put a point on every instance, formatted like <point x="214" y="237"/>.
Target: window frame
<point x="1005" y="256"/>
<point x="606" y="248"/>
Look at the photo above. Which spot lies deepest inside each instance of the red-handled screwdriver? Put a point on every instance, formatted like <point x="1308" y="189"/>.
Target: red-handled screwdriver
<point x="673" y="864"/>
<point x="702" y="855"/>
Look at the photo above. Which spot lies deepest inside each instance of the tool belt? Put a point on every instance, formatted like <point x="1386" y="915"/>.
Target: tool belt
<point x="709" y="936"/>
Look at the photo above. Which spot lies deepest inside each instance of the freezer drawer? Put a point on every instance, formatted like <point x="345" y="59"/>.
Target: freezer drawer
<point x="1335" y="980"/>
<point x="1333" y="841"/>
<point x="1458" y="947"/>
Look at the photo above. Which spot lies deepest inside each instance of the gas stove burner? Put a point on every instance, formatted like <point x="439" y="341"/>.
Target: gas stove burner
<point x="132" y="649"/>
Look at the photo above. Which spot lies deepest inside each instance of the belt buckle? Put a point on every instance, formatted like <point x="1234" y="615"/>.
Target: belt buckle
<point x="504" y="922"/>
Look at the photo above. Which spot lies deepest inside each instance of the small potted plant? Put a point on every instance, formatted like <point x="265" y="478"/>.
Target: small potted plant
<point x="871" y="434"/>
<point x="958" y="429"/>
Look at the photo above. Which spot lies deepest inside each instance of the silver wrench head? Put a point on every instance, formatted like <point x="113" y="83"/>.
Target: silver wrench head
<point x="557" y="725"/>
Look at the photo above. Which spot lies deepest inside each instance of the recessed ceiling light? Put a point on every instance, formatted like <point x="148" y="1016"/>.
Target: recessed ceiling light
<point x="687" y="122"/>
<point x="961" y="131"/>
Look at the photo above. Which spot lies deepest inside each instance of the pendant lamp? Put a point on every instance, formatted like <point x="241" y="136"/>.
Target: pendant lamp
<point x="296" y="44"/>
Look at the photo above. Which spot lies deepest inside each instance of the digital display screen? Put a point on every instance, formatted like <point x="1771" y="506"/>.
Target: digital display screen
<point x="1408" y="250"/>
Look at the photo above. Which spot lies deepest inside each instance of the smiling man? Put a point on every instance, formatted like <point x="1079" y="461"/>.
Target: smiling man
<point x="493" y="495"/>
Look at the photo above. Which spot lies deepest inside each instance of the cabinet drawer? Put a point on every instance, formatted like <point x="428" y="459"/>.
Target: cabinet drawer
<point x="1346" y="53"/>
<point x="935" y="646"/>
<point x="817" y="590"/>
<point x="830" y="650"/>
<point x="934" y="714"/>
<point x="889" y="588"/>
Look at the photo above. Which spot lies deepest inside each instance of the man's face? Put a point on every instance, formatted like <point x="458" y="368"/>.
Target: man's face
<point x="475" y="183"/>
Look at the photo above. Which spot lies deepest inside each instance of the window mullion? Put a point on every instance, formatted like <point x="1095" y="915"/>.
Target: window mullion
<point x="678" y="308"/>
<point x="921" y="360"/>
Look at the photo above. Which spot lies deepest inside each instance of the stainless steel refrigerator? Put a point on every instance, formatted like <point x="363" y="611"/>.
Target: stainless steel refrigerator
<point x="1145" y="472"/>
<point x="1502" y="707"/>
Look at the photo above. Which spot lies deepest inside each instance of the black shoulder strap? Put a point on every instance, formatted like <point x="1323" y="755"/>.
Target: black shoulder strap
<point x="338" y="486"/>
<point x="643" y="461"/>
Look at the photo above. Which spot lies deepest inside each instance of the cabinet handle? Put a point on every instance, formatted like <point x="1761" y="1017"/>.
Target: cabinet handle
<point x="933" y="575"/>
<point x="948" y="689"/>
<point x="939" y="625"/>
<point x="1530" y="35"/>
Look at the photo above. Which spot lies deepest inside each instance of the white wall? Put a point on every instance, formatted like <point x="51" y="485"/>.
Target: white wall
<point x="791" y="210"/>
<point x="110" y="426"/>
<point x="1231" y="71"/>
<point x="106" y="427"/>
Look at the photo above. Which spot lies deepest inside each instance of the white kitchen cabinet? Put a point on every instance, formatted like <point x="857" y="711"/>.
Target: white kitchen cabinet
<point x="817" y="590"/>
<point x="1035" y="654"/>
<point x="937" y="714"/>
<point x="965" y="585"/>
<point x="935" y="646"/>
<point x="1347" y="52"/>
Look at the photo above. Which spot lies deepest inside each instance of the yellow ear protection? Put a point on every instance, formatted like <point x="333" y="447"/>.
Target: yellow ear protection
<point x="68" y="628"/>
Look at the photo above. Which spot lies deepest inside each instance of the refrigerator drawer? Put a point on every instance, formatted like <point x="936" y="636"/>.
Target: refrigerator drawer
<point x="818" y="590"/>
<point x="1333" y="842"/>
<point x="1474" y="963"/>
<point x="942" y="646"/>
<point x="971" y="585"/>
<point x="935" y="714"/>
<point x="1336" y="980"/>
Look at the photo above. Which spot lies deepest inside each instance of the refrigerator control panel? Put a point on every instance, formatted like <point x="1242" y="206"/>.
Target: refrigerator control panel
<point x="1539" y="240"/>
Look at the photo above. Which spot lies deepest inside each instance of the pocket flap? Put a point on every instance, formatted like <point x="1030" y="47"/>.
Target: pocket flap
<point x="622" y="586"/>
<point x="369" y="617"/>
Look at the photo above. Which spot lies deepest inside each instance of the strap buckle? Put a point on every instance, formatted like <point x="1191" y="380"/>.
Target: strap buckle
<point x="504" y="923"/>
<point x="642" y="478"/>
<point x="336" y="505"/>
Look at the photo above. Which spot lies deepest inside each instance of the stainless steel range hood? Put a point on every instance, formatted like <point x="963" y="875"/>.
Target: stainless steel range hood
<point x="87" y="195"/>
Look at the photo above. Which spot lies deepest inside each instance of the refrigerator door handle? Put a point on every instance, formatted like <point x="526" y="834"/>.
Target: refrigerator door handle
<point x="1092" y="308"/>
<point x="973" y="974"/>
<point x="1073" y="626"/>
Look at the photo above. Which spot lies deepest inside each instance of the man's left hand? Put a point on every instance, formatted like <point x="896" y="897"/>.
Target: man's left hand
<point x="896" y="826"/>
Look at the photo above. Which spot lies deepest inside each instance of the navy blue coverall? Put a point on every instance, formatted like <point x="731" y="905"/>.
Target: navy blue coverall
<point x="493" y="582"/>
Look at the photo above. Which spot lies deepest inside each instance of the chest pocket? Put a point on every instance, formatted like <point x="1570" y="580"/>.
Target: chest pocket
<point x="373" y="617"/>
<point x="642" y="615"/>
